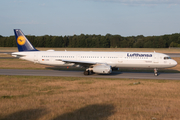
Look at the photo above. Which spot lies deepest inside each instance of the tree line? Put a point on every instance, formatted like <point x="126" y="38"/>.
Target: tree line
<point x="98" y="41"/>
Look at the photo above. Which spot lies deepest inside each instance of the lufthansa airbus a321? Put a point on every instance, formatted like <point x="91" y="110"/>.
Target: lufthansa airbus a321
<point x="94" y="62"/>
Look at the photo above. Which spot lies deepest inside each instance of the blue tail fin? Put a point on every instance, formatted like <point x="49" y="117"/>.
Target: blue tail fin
<point x="23" y="43"/>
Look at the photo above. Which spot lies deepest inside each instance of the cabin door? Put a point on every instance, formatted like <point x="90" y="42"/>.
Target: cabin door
<point x="156" y="58"/>
<point x="78" y="57"/>
<point x="120" y="58"/>
<point x="35" y="58"/>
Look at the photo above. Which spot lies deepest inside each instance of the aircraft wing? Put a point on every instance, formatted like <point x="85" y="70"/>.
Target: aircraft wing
<point x="82" y="63"/>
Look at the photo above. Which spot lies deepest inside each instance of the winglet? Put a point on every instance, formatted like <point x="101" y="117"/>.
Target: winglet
<point x="23" y="43"/>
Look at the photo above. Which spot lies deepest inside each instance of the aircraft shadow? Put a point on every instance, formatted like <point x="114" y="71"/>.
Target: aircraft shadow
<point x="30" y="114"/>
<point x="90" y="112"/>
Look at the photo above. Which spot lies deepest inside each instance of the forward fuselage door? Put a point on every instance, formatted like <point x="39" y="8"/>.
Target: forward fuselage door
<point x="156" y="58"/>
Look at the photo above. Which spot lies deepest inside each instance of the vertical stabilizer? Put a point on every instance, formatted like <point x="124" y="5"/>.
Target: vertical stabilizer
<point x="23" y="43"/>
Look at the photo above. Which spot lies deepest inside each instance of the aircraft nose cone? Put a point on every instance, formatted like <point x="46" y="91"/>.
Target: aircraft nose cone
<point x="174" y="63"/>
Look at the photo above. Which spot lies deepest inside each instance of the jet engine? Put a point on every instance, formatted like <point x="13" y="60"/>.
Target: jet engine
<point x="105" y="69"/>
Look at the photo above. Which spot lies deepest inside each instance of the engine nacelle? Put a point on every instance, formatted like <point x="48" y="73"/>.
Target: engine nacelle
<point x="105" y="69"/>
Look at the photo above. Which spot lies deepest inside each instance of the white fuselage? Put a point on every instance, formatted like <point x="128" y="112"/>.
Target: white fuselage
<point x="114" y="59"/>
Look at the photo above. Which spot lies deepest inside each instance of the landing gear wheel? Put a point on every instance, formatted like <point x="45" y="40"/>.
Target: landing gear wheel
<point x="92" y="72"/>
<point x="86" y="72"/>
<point x="155" y="74"/>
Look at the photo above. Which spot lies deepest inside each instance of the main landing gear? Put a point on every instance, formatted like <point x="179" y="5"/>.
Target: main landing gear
<point x="155" y="72"/>
<point x="88" y="71"/>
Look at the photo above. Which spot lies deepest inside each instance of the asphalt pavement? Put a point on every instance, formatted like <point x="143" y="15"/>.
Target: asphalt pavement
<point x="63" y="73"/>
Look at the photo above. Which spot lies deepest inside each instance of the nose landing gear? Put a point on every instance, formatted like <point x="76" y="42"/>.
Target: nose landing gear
<point x="155" y="72"/>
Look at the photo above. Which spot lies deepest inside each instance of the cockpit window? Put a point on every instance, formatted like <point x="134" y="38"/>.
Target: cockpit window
<point x="166" y="58"/>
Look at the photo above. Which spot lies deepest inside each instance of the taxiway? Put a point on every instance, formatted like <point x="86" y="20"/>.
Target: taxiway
<point x="129" y="75"/>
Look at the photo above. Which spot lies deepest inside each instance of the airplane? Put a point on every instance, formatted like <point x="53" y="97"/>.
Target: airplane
<point x="94" y="62"/>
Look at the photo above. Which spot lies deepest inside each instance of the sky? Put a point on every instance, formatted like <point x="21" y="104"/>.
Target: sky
<point x="69" y="17"/>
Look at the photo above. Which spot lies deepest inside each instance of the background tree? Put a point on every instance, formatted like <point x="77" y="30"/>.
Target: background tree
<point x="98" y="41"/>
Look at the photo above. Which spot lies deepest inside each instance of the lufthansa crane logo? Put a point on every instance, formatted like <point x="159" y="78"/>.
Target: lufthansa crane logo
<point x="21" y="40"/>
